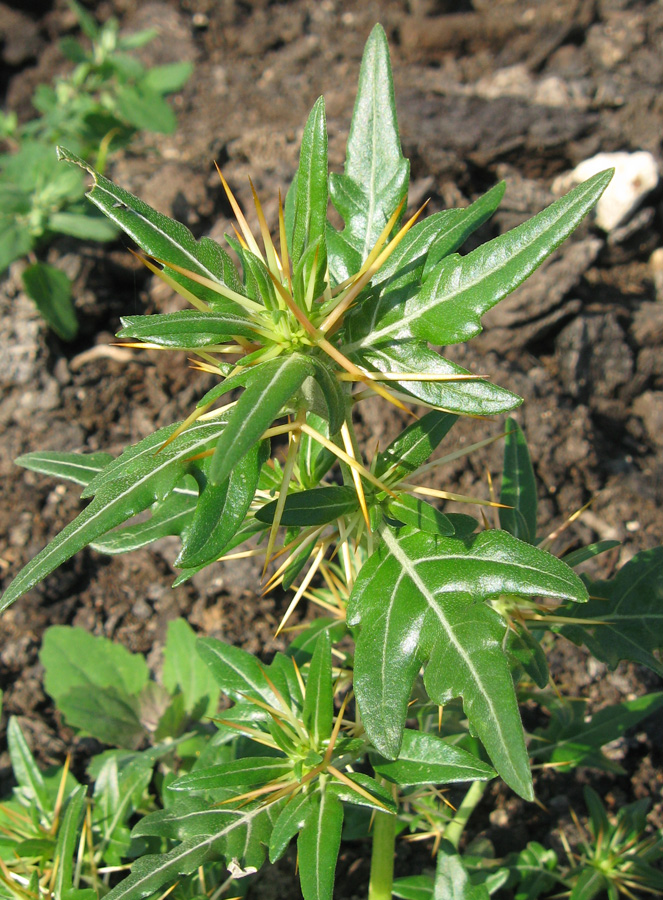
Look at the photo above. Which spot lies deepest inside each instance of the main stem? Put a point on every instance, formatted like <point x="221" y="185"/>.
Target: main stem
<point x="382" y="857"/>
<point x="454" y="830"/>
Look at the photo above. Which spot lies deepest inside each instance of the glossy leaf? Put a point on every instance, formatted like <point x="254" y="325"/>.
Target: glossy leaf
<point x="310" y="219"/>
<point x="261" y="402"/>
<point x="427" y="759"/>
<point x="288" y="824"/>
<point x="576" y="557"/>
<point x="419" y="514"/>
<point x="420" y="597"/>
<point x="318" y="846"/>
<point x="80" y="468"/>
<point x="236" y="672"/>
<point x="221" y="510"/>
<point x="314" y="507"/>
<point x="304" y="643"/>
<point x="452" y="881"/>
<point x="318" y="713"/>
<point x="518" y="486"/>
<point x="314" y="459"/>
<point x="168" y="517"/>
<point x="413" y="446"/>
<point x="160" y="236"/>
<point x="376" y="175"/>
<point x="628" y="610"/>
<point x="122" y="490"/>
<point x="460" y="290"/>
<point x="187" y="329"/>
<point x="242" y="773"/>
<point x="477" y="397"/>
<point x="327" y="396"/>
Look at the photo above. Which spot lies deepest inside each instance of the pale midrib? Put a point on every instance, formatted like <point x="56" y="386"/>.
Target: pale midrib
<point x="194" y="259"/>
<point x="56" y="546"/>
<point x="467" y="284"/>
<point x="411" y="571"/>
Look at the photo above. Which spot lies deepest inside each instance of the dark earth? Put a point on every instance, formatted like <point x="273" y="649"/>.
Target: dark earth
<point x="485" y="90"/>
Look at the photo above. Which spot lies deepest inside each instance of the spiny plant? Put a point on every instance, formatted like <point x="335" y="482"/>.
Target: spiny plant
<point x="445" y="612"/>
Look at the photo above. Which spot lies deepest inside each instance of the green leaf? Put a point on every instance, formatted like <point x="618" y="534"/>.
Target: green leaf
<point x="380" y="797"/>
<point x="314" y="507"/>
<point x="413" y="446"/>
<point x="413" y="887"/>
<point x="476" y="397"/>
<point x="221" y="510"/>
<point x="72" y="657"/>
<point x="187" y="329"/>
<point x="315" y="460"/>
<point x="67" y="842"/>
<point x="248" y="772"/>
<point x="518" y="486"/>
<point x="571" y="739"/>
<point x="237" y="672"/>
<point x="125" y="487"/>
<point x="51" y="291"/>
<point x="80" y="468"/>
<point x="87" y="22"/>
<point x="318" y="846"/>
<point x="420" y="597"/>
<point x="256" y="409"/>
<point x="419" y="514"/>
<point x="576" y="557"/>
<point x="15" y="240"/>
<point x="524" y="650"/>
<point x="107" y="713"/>
<point x="310" y="219"/>
<point x="185" y="671"/>
<point x="168" y="517"/>
<point x="325" y="396"/>
<point x="169" y="78"/>
<point x="452" y="881"/>
<point x="426" y="759"/>
<point x="459" y="290"/>
<point x="376" y="174"/>
<point x="160" y="236"/>
<point x="25" y="769"/>
<point x="303" y="646"/>
<point x="629" y="611"/>
<point x="288" y="824"/>
<point x="318" y="713"/>
<point x="85" y="227"/>
<point x="145" y="109"/>
<point x="591" y="882"/>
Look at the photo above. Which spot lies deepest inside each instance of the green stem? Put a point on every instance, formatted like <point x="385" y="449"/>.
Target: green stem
<point x="454" y="830"/>
<point x="382" y="857"/>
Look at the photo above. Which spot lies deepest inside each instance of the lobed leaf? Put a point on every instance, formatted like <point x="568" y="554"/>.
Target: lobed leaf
<point x="420" y="597"/>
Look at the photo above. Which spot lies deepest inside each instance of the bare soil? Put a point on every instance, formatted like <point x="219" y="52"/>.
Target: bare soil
<point x="485" y="90"/>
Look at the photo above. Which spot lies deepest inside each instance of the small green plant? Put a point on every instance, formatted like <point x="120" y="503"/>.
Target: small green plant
<point x="432" y="620"/>
<point x="108" y="97"/>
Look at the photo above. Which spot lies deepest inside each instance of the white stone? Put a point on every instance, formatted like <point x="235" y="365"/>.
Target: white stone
<point x="636" y="174"/>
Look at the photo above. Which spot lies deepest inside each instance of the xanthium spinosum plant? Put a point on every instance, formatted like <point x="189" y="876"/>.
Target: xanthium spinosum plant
<point x="444" y="610"/>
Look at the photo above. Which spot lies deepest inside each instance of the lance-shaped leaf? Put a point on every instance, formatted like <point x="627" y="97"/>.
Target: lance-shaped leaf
<point x="460" y="290"/>
<point x="160" y="236"/>
<point x="427" y="759"/>
<point x="420" y="597"/>
<point x="571" y="738"/>
<point x="314" y="507"/>
<point x="324" y="396"/>
<point x="419" y="514"/>
<point x="318" y="846"/>
<point x="221" y="510"/>
<point x="240" y="773"/>
<point x="237" y="672"/>
<point x="186" y="329"/>
<point x="150" y="477"/>
<point x="80" y="468"/>
<point x="311" y="197"/>
<point x="314" y="459"/>
<point x="67" y="841"/>
<point x="318" y="713"/>
<point x="25" y="769"/>
<point x="518" y="486"/>
<point x="629" y="612"/>
<point x="168" y="517"/>
<point x="288" y="824"/>
<point x="262" y="401"/>
<point x="476" y="397"/>
<point x="376" y="174"/>
<point x="414" y="445"/>
<point x="239" y="835"/>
